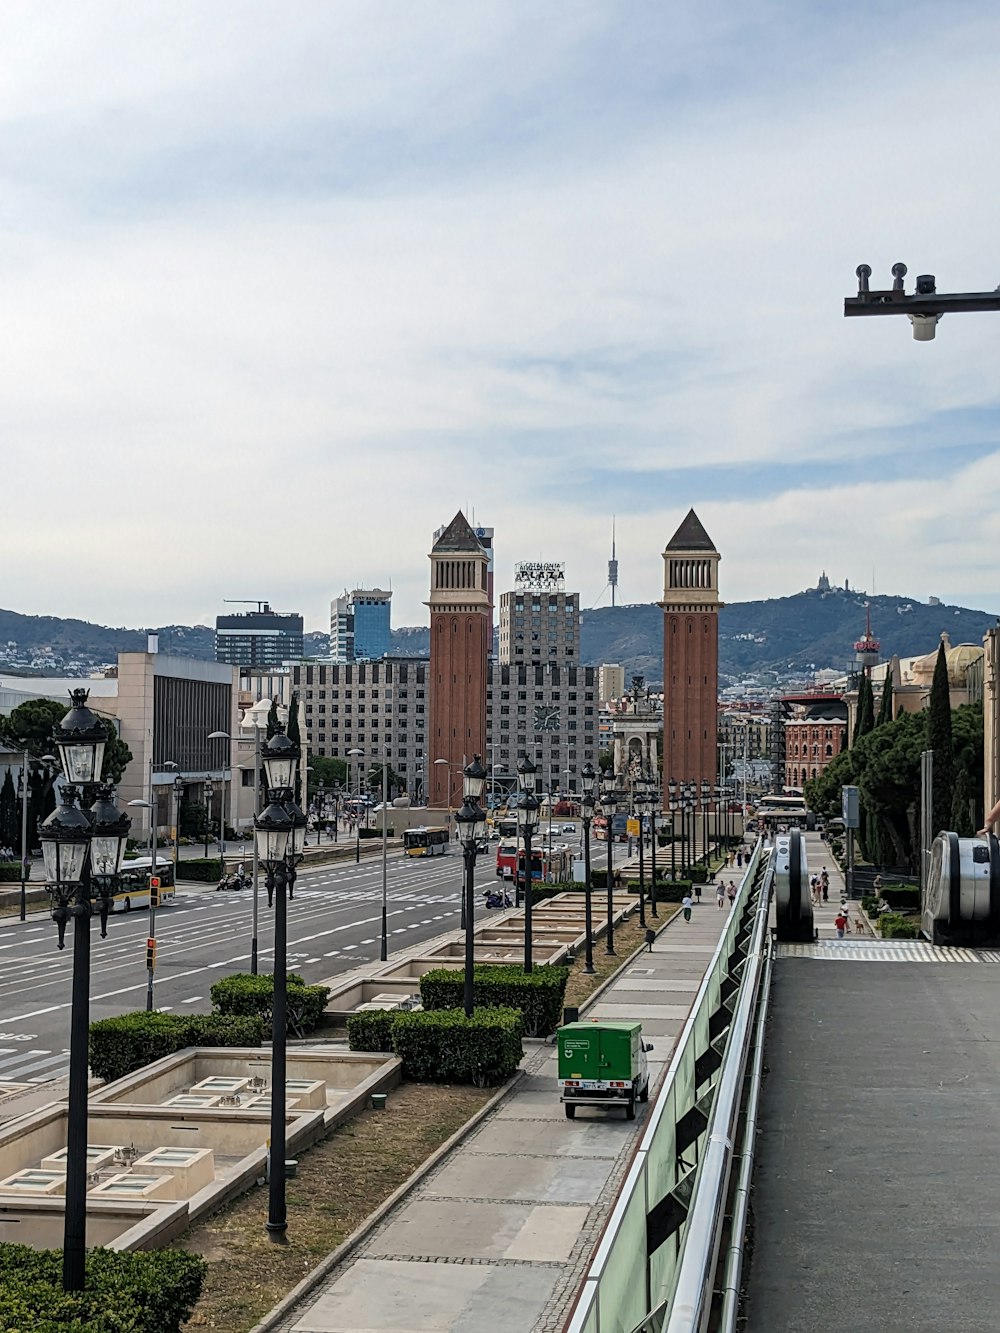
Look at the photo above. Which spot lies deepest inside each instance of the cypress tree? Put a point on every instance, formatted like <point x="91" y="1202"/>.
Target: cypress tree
<point x="939" y="740"/>
<point x="885" y="706"/>
<point x="10" y="828"/>
<point x="865" y="720"/>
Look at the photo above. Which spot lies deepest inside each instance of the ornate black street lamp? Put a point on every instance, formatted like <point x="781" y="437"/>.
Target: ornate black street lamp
<point x="471" y="821"/>
<point x="610" y="801"/>
<point x="706" y="801"/>
<point x="655" y="797"/>
<point x="280" y="832"/>
<point x="672" y="791"/>
<point x="639" y="802"/>
<point x="527" y="822"/>
<point x="589" y="781"/>
<point x="83" y="841"/>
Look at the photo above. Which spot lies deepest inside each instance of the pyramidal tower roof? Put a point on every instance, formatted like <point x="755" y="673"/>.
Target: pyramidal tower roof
<point x="691" y="536"/>
<point x="458" y="536"/>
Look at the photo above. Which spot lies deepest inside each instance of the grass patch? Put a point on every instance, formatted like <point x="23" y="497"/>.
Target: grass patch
<point x="629" y="938"/>
<point x="340" y="1182"/>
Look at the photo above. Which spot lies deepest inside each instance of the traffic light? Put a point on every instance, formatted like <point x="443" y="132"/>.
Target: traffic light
<point x="154" y="890"/>
<point x="151" y="954"/>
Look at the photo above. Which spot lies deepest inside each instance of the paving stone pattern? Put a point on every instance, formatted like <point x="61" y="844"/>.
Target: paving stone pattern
<point x="499" y="1235"/>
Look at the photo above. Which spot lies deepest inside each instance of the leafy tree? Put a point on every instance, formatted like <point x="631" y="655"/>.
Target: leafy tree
<point x="887" y="774"/>
<point x="30" y="725"/>
<point x="329" y="772"/>
<point x="117" y="757"/>
<point x="822" y="794"/>
<point x="967" y="750"/>
<point x="10" y="825"/>
<point x="939" y="739"/>
<point x="193" y="819"/>
<point x="393" y="780"/>
<point x="885" y="706"/>
<point x="606" y="761"/>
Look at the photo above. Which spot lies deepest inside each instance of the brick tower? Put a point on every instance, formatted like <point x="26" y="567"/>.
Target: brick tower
<point x="690" y="655"/>
<point x="460" y="626"/>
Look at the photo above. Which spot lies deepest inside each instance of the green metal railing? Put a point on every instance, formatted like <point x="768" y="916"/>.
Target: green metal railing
<point x="663" y="1232"/>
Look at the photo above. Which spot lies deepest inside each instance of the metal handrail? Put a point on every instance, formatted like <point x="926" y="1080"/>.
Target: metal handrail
<point x="634" y="1181"/>
<point x="699" y="1252"/>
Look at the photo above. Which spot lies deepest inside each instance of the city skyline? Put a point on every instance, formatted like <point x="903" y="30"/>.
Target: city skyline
<point x="549" y="265"/>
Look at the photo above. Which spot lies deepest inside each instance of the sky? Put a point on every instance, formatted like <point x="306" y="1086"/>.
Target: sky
<point x="287" y="284"/>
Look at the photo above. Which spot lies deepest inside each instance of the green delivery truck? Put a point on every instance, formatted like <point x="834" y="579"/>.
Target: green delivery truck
<point x="602" y="1064"/>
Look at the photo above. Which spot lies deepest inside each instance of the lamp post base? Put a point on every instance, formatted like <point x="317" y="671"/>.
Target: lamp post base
<point x="277" y="1232"/>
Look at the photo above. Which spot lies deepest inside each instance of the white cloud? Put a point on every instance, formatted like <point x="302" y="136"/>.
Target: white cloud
<point x="347" y="268"/>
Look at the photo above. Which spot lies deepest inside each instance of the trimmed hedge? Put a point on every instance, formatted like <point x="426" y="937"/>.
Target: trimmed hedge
<point x="10" y="872"/>
<point x="537" y="995"/>
<point x="895" y="926"/>
<point x="120" y="1045"/>
<point x="148" y="1291"/>
<point x="201" y="869"/>
<point x="376" y="832"/>
<point x="371" y="1030"/>
<point x="443" y="1046"/>
<point x="904" y="897"/>
<point x="247" y="995"/>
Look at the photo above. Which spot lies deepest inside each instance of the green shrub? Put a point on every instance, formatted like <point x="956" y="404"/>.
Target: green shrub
<point x="149" y="1291"/>
<point x="248" y="995"/>
<point x="443" y="1046"/>
<point x="537" y="995"/>
<point x="698" y="873"/>
<point x="371" y="1030"/>
<point x="902" y="897"/>
<point x="10" y="872"/>
<point x="869" y="904"/>
<point x="376" y="832"/>
<point x="201" y="869"/>
<point x="123" y="1044"/>
<point x="895" y="926"/>
<point x="118" y="1046"/>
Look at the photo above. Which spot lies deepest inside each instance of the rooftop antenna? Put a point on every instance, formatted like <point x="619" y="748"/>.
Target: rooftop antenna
<point x="613" y="564"/>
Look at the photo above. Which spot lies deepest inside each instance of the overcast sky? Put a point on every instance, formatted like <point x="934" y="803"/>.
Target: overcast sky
<point x="286" y="284"/>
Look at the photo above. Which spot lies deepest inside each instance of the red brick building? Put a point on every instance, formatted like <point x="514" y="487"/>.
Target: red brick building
<point x="459" y="672"/>
<point x="690" y="656"/>
<point x="810" y="744"/>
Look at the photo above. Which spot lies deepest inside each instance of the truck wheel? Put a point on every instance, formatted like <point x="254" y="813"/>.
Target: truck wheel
<point x="127" y="904"/>
<point x="630" y="1109"/>
<point x="644" y="1095"/>
<point x="570" y="1111"/>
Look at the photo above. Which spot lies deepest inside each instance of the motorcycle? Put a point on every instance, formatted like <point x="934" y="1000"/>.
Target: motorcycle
<point x="494" y="899"/>
<point x="231" y="882"/>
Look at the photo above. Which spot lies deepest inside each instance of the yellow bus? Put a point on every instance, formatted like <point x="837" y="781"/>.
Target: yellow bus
<point x="133" y="883"/>
<point x="425" y="841"/>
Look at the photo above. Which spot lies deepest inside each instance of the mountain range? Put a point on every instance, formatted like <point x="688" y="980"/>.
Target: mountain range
<point x="810" y="630"/>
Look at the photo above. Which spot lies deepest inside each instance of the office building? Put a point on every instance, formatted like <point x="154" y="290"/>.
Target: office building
<point x="360" y="625"/>
<point x="539" y="620"/>
<point x="548" y="713"/>
<point x="260" y="638"/>
<point x="610" y="682"/>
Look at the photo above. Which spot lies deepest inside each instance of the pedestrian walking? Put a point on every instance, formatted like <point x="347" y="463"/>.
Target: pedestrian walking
<point x="650" y="938"/>
<point x="720" y="894"/>
<point x="731" y="892"/>
<point x="824" y="879"/>
<point x="686" y="906"/>
<point x="840" y="921"/>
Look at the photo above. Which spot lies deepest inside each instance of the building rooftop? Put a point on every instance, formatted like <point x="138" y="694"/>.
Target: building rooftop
<point x="691" y="536"/>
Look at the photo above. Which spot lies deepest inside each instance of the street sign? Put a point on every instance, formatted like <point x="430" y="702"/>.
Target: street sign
<point x="850" y="808"/>
<point x="632" y="828"/>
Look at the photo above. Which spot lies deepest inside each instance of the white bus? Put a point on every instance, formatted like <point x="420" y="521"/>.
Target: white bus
<point x="133" y="887"/>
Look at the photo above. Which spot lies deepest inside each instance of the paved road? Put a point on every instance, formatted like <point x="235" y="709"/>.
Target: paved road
<point x="333" y="924"/>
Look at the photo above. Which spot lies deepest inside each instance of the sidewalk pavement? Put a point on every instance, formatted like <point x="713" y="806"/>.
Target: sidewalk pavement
<point x="498" y="1235"/>
<point x="818" y="855"/>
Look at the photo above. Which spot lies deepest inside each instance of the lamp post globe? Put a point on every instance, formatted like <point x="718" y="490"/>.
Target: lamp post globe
<point x="471" y="824"/>
<point x="81" y="738"/>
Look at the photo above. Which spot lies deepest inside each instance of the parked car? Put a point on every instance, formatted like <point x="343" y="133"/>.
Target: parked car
<point x="569" y="828"/>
